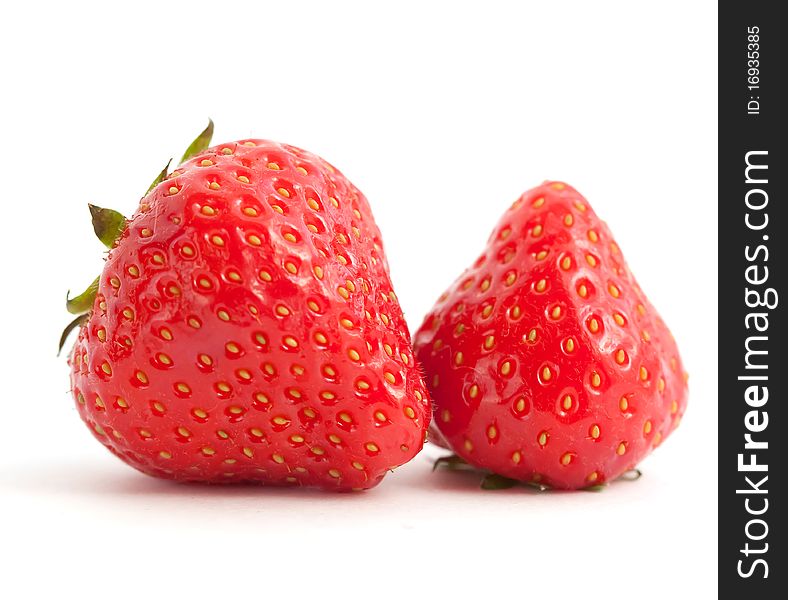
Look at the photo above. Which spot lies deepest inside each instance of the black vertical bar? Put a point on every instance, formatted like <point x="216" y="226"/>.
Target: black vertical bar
<point x="752" y="265"/>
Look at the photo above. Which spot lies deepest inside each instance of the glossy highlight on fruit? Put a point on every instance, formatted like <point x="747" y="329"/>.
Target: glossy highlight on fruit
<point x="545" y="361"/>
<point x="244" y="328"/>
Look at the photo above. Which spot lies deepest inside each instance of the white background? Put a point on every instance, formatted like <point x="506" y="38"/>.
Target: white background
<point x="442" y="113"/>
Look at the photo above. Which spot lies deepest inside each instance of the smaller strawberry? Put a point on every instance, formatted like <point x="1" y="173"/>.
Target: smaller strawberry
<point x="545" y="361"/>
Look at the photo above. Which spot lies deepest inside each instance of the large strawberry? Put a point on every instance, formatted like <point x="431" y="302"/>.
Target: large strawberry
<point x="245" y="328"/>
<point x="544" y="360"/>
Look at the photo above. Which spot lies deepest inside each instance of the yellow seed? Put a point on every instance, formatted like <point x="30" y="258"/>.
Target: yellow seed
<point x="621" y="449"/>
<point x="355" y="356"/>
<point x="409" y="412"/>
<point x="278" y="209"/>
<point x="183" y="432"/>
<point x="487" y="311"/>
<point x="473" y="391"/>
<point x="569" y="220"/>
<point x="547" y="374"/>
<point x="593" y="325"/>
<point x="569" y="346"/>
<point x="208" y="451"/>
<point x="358" y="465"/>
<point x="538" y="202"/>
<point x="582" y="290"/>
<point x="516" y="457"/>
<point x="520" y="405"/>
<point x="317" y="450"/>
<point x="542" y="439"/>
<point x="536" y="231"/>
<point x="312" y="203"/>
<point x="647" y="427"/>
<point x="510" y="278"/>
<point x="645" y="335"/>
<point x="468" y="445"/>
<point x="661" y="385"/>
<point x="592" y="477"/>
<point x="290" y="238"/>
<point x="566" y="403"/>
<point x="674" y="408"/>
<point x="556" y="312"/>
<point x="346" y="323"/>
<point x="489" y="342"/>
<point x="141" y="377"/>
<point x="250" y="211"/>
<point x="458" y="358"/>
<point x="614" y="291"/>
<point x="592" y="235"/>
<point x="372" y="447"/>
<point x="389" y="377"/>
<point x="591" y="260"/>
<point x="283" y="192"/>
<point x="298" y="439"/>
<point x="343" y="416"/>
<point x="248" y="452"/>
<point x="621" y="357"/>
<point x="254" y="240"/>
<point x="278" y="458"/>
<point x="290" y="341"/>
<point x="282" y="310"/>
<point x="619" y="319"/>
<point x="362" y="385"/>
<point x="596" y="380"/>
<point x="205" y="359"/>
<point x="320" y="338"/>
<point x="217" y="240"/>
<point x="206" y="163"/>
<point x="214" y="185"/>
<point x="623" y="404"/>
<point x="280" y="421"/>
<point x="106" y="368"/>
<point x="594" y="431"/>
<point x="541" y="285"/>
<point x="515" y="312"/>
<point x="485" y="284"/>
<point x="566" y="458"/>
<point x="492" y="432"/>
<point x="120" y="402"/>
<point x="183" y="388"/>
<point x="208" y="210"/>
<point x="445" y="415"/>
<point x="643" y="374"/>
<point x="506" y="367"/>
<point x="165" y="454"/>
<point x="541" y="255"/>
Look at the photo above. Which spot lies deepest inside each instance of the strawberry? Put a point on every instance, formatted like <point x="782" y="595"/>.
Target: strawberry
<point x="544" y="360"/>
<point x="244" y="328"/>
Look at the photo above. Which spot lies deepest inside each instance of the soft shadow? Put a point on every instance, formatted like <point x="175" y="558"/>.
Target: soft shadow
<point x="79" y="479"/>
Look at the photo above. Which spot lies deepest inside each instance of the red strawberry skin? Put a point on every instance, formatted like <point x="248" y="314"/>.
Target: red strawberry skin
<point x="545" y="361"/>
<point x="245" y="329"/>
